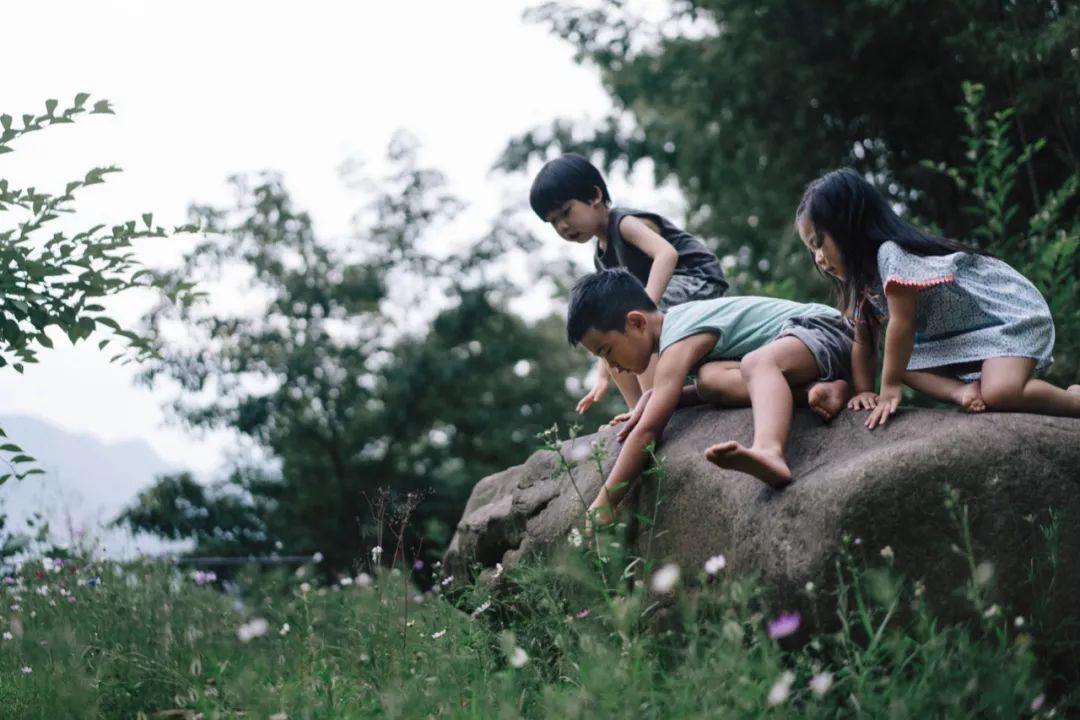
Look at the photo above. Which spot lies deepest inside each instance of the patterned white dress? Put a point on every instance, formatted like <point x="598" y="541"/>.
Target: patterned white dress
<point x="970" y="308"/>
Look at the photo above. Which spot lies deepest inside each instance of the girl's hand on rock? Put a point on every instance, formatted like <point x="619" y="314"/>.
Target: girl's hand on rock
<point x="863" y="401"/>
<point x="888" y="402"/>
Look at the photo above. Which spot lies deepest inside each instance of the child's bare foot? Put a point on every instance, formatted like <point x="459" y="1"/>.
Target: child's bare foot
<point x="1073" y="389"/>
<point x="970" y="398"/>
<point x="828" y="398"/>
<point x="768" y="467"/>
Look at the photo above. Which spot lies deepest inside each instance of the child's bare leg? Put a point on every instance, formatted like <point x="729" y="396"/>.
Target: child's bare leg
<point x="721" y="383"/>
<point x="1007" y="385"/>
<point x="769" y="373"/>
<point x="826" y="399"/>
<point x="946" y="388"/>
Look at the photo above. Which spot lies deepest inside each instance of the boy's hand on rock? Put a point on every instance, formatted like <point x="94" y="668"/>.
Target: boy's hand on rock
<point x="888" y="402"/>
<point x="863" y="401"/>
<point x="633" y="417"/>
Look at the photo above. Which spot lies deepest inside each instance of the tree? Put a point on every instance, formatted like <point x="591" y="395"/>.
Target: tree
<point x="358" y="365"/>
<point x="59" y="279"/>
<point x="744" y="103"/>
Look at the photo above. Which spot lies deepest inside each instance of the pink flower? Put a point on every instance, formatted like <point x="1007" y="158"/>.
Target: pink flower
<point x="784" y="625"/>
<point x="582" y="614"/>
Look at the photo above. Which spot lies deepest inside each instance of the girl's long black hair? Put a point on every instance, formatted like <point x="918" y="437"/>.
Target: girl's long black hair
<point x="859" y="219"/>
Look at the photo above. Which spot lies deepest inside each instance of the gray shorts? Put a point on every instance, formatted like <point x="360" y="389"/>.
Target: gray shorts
<point x="684" y="288"/>
<point x="828" y="338"/>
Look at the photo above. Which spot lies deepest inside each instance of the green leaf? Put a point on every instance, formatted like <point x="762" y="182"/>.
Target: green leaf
<point x="10" y="447"/>
<point x="102" y="106"/>
<point x="148" y="218"/>
<point x="5" y="121"/>
<point x="21" y="459"/>
<point x="81" y="98"/>
<point x="50" y="107"/>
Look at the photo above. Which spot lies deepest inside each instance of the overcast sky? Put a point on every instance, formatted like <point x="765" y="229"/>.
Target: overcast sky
<point x="204" y="89"/>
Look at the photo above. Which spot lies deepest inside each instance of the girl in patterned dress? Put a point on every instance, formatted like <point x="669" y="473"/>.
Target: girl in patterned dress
<point x="963" y="326"/>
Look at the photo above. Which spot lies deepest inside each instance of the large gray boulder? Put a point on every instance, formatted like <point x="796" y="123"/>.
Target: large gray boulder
<point x="886" y="487"/>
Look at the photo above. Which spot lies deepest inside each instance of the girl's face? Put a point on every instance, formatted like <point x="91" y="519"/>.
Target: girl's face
<point x="827" y="255"/>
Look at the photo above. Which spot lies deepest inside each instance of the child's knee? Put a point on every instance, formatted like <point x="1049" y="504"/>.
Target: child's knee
<point x="998" y="395"/>
<point x="756" y="361"/>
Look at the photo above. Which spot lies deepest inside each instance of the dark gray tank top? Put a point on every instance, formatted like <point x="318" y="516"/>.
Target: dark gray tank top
<point x="695" y="260"/>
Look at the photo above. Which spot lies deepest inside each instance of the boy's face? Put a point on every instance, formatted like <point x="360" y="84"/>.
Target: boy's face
<point x="827" y="255"/>
<point x="577" y="221"/>
<point x="628" y="350"/>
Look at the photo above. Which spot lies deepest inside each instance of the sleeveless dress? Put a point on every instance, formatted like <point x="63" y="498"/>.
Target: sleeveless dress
<point x="970" y="308"/>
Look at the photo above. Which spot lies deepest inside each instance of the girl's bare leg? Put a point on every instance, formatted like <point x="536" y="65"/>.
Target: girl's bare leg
<point x="769" y="373"/>
<point x="1007" y="385"/>
<point x="946" y="388"/>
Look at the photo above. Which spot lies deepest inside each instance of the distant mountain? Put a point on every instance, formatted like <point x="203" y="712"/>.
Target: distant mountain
<point x="86" y="484"/>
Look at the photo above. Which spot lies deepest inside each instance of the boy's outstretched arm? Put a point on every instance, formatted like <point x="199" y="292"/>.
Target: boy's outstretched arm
<point x="665" y="257"/>
<point x="675" y="364"/>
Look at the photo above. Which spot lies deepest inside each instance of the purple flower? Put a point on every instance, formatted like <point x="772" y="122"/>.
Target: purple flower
<point x="582" y="614"/>
<point x="418" y="565"/>
<point x="784" y="625"/>
<point x="204" y="578"/>
<point x="92" y="581"/>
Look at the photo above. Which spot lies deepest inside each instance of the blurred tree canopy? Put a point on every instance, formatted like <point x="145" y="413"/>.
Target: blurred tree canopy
<point x="744" y="103"/>
<point x="356" y="365"/>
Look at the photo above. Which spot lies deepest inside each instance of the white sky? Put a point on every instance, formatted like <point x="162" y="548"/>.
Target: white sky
<point x="204" y="89"/>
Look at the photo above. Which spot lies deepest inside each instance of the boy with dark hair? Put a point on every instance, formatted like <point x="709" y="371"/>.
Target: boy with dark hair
<point x="745" y="350"/>
<point x="673" y="265"/>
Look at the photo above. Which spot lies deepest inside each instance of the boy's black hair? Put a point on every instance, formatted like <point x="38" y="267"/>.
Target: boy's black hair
<point x="859" y="219"/>
<point x="570" y="177"/>
<point x="601" y="300"/>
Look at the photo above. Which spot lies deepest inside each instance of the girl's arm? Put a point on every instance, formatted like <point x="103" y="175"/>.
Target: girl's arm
<point x="664" y="256"/>
<point x="863" y="368"/>
<point x="899" y="341"/>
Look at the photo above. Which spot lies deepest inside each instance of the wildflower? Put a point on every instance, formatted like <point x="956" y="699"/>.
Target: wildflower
<point x="26" y="669"/>
<point x="278" y="545"/>
<point x="256" y="627"/>
<point x="984" y="573"/>
<point x="376" y="553"/>
<point x="519" y="657"/>
<point x="278" y="716"/>
<point x="858" y="541"/>
<point x="809" y="588"/>
<point x="447" y="580"/>
<point x="664" y="579"/>
<point x="498" y="570"/>
<point x="575" y="537"/>
<point x="418" y="565"/>
<point x="346" y="581"/>
<point x="7" y="635"/>
<point x="1036" y="704"/>
<point x="483" y="606"/>
<point x="578" y="452"/>
<point x="42" y="590"/>
<point x="305" y="587"/>
<point x="284" y="630"/>
<point x="992" y="612"/>
<point x="780" y="690"/>
<point x="820" y="683"/>
<point x="436" y="636"/>
<point x="887" y="553"/>
<point x="784" y="625"/>
<point x="93" y="581"/>
<point x="317" y="558"/>
<point x="8" y="580"/>
<point x="204" y="578"/>
<point x="363" y="580"/>
<point x="582" y="614"/>
<point x="1019" y="621"/>
<point x="715" y="564"/>
<point x="418" y="599"/>
<point x="16" y="607"/>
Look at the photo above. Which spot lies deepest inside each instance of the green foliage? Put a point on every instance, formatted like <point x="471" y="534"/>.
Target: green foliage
<point x="744" y="103"/>
<point x="58" y="280"/>
<point x="355" y="365"/>
<point x="549" y="640"/>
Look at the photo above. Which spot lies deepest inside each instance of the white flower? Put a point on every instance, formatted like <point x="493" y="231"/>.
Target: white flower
<point x="578" y="451"/>
<point x="1036" y="704"/>
<point x="809" y="588"/>
<point x="317" y="558"/>
<point x="498" y="570"/>
<point x="447" y="580"/>
<point x="27" y="669"/>
<point x="715" y="564"/>
<point x="256" y="627"/>
<point x="519" y="657"/>
<point x="887" y="553"/>
<point x="7" y="635"/>
<point x="575" y="537"/>
<point x="376" y="553"/>
<point x="278" y="545"/>
<point x="821" y="683"/>
<point x="363" y="580"/>
<point x="305" y="587"/>
<point x="346" y="581"/>
<point x="1019" y="621"/>
<point x="15" y="607"/>
<point x="992" y="612"/>
<point x="984" y="573"/>
<point x="780" y="690"/>
<point x="483" y="606"/>
<point x="664" y="579"/>
<point x="436" y="636"/>
<point x="278" y="716"/>
<point x="284" y="630"/>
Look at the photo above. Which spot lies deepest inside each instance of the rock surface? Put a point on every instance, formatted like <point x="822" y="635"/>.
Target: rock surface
<point x="886" y="487"/>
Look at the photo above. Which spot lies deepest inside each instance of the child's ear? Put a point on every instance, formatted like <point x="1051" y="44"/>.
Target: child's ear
<point x="598" y="199"/>
<point x="635" y="320"/>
